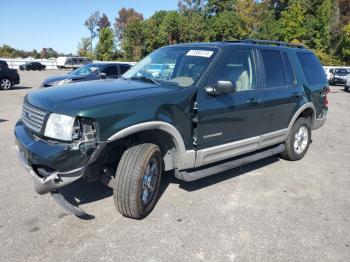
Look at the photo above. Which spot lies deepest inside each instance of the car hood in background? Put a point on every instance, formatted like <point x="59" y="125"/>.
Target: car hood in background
<point x="52" y="79"/>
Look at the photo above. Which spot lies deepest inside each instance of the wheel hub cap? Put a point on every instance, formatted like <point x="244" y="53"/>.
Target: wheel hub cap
<point x="301" y="140"/>
<point x="5" y="84"/>
<point x="149" y="182"/>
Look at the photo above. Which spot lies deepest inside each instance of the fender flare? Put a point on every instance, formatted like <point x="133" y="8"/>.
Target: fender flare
<point x="305" y="106"/>
<point x="185" y="158"/>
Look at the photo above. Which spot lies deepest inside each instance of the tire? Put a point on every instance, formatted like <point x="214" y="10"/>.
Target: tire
<point x="296" y="150"/>
<point x="6" y="84"/>
<point x="346" y="88"/>
<point x="135" y="191"/>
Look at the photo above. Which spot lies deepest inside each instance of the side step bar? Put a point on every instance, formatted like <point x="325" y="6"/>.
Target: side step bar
<point x="204" y="172"/>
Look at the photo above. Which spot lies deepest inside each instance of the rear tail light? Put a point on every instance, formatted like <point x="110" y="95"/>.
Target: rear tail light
<point x="325" y="93"/>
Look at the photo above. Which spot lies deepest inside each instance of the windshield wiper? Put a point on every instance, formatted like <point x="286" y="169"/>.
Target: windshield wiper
<point x="145" y="79"/>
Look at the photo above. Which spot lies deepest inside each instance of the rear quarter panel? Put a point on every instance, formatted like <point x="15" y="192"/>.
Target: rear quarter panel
<point x="313" y="92"/>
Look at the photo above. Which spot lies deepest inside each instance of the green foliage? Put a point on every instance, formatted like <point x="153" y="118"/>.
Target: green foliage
<point x="105" y="46"/>
<point x="224" y="26"/>
<point x="84" y="47"/>
<point x="345" y="46"/>
<point x="7" y="51"/>
<point x="291" y="24"/>
<point x="133" y="40"/>
<point x="319" y="24"/>
<point x="327" y="59"/>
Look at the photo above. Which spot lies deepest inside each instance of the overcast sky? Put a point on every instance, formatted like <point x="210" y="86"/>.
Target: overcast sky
<point x="34" y="24"/>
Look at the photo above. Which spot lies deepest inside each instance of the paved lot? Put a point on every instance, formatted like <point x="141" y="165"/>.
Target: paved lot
<point x="272" y="210"/>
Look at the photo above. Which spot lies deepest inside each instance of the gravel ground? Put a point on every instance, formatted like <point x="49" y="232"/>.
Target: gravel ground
<point x="272" y="210"/>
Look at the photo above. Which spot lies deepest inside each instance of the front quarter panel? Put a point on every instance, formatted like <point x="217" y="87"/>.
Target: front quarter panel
<point x="174" y="107"/>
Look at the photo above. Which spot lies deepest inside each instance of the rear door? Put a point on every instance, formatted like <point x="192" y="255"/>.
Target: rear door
<point x="281" y="90"/>
<point x="231" y="117"/>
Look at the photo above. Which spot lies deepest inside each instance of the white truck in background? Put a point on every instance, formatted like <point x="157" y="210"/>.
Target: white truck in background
<point x="70" y="62"/>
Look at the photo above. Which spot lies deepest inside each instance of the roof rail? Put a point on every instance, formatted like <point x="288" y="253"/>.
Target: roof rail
<point x="267" y="42"/>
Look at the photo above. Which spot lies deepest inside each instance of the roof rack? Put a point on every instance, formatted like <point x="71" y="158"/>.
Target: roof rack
<point x="267" y="42"/>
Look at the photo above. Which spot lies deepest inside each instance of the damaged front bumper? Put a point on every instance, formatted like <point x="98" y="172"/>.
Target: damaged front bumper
<point x="52" y="165"/>
<point x="54" y="180"/>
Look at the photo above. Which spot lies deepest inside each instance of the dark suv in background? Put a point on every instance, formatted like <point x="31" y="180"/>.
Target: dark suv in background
<point x="8" y="77"/>
<point x="32" y="66"/>
<point x="94" y="71"/>
<point x="222" y="105"/>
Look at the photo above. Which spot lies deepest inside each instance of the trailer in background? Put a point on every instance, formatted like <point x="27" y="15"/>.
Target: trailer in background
<point x="70" y="62"/>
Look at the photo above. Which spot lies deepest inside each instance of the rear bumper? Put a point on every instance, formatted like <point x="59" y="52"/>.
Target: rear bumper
<point x="319" y="122"/>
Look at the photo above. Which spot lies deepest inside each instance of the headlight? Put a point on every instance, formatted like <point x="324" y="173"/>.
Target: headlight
<point x="67" y="128"/>
<point x="62" y="82"/>
<point x="60" y="127"/>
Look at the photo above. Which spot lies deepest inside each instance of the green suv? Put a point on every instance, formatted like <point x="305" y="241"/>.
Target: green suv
<point x="223" y="104"/>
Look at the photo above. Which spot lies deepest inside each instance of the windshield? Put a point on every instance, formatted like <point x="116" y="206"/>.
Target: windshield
<point x="85" y="70"/>
<point x="181" y="66"/>
<point x="342" y="72"/>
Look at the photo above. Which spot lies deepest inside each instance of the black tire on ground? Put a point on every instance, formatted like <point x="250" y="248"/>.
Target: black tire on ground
<point x="132" y="195"/>
<point x="296" y="150"/>
<point x="346" y="88"/>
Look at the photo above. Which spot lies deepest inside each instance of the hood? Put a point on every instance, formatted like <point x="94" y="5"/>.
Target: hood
<point x="50" y="80"/>
<point x="84" y="95"/>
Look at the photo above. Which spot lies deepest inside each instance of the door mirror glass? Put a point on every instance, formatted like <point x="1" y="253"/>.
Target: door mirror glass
<point x="221" y="88"/>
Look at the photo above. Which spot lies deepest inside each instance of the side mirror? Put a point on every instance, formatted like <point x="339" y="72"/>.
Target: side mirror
<point x="220" y="88"/>
<point x="102" y="75"/>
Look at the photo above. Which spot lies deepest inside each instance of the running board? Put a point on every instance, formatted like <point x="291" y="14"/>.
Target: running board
<point x="240" y="161"/>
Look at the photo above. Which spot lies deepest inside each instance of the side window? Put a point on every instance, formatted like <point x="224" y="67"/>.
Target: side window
<point x="312" y="68"/>
<point x="274" y="68"/>
<point x="237" y="67"/>
<point x="111" y="71"/>
<point x="288" y="70"/>
<point x="123" y="68"/>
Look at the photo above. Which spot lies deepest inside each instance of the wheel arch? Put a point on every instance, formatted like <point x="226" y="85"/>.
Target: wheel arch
<point x="307" y="110"/>
<point x="165" y="135"/>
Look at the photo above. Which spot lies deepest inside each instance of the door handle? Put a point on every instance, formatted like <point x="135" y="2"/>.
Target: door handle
<point x="253" y="101"/>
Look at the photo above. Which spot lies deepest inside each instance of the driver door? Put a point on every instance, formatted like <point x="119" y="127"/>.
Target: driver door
<point x="229" y="124"/>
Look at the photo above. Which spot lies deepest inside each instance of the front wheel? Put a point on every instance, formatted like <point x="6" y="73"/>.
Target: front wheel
<point x="137" y="180"/>
<point x="298" y="141"/>
<point x="5" y="84"/>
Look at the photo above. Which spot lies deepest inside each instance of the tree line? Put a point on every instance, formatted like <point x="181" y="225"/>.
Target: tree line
<point x="7" y="51"/>
<point x="321" y="25"/>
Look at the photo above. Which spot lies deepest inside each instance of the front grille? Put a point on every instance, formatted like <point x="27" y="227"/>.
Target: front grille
<point x="33" y="117"/>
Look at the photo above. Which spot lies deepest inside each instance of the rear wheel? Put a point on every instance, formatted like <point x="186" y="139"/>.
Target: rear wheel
<point x="298" y="140"/>
<point x="137" y="180"/>
<point x="346" y="88"/>
<point x="5" y="84"/>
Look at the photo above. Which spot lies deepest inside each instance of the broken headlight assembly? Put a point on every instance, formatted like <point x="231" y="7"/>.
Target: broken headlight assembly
<point x="85" y="131"/>
<point x="67" y="128"/>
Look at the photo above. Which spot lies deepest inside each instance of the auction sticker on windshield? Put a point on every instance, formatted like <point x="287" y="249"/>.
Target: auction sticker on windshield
<point x="201" y="53"/>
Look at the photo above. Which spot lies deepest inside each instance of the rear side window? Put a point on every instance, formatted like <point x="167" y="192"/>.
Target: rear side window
<point x="312" y="68"/>
<point x="111" y="71"/>
<point x="274" y="68"/>
<point x="124" y="68"/>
